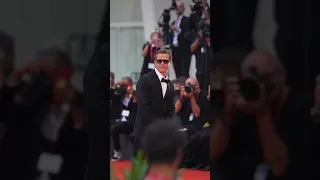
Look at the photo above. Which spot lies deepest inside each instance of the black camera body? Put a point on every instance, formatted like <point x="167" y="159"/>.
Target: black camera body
<point x="204" y="28"/>
<point x="189" y="88"/>
<point x="120" y="90"/>
<point x="250" y="87"/>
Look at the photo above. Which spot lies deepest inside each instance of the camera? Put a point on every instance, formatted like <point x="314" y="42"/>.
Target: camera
<point x="164" y="24"/>
<point x="250" y="87"/>
<point x="189" y="88"/>
<point x="120" y="89"/>
<point x="205" y="29"/>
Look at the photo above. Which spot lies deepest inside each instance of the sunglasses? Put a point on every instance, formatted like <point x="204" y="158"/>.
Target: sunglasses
<point x="159" y="61"/>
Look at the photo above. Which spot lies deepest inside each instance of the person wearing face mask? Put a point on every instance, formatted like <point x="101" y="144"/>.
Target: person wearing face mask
<point x="149" y="52"/>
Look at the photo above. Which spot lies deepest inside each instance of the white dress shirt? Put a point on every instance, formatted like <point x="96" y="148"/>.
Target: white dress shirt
<point x="176" y="34"/>
<point x="163" y="84"/>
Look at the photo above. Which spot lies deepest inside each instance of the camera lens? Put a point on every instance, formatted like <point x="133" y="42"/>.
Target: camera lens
<point x="188" y="89"/>
<point x="250" y="89"/>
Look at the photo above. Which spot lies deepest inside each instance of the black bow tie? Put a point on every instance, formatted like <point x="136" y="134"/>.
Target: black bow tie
<point x="165" y="80"/>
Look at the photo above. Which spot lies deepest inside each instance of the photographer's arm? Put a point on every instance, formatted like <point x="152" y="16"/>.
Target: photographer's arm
<point x="178" y="105"/>
<point x="194" y="106"/>
<point x="195" y="46"/>
<point x="145" y="50"/>
<point x="220" y="135"/>
<point x="274" y="150"/>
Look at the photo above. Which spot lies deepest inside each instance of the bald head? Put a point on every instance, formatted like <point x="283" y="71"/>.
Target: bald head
<point x="180" y="3"/>
<point x="180" y="8"/>
<point x="193" y="82"/>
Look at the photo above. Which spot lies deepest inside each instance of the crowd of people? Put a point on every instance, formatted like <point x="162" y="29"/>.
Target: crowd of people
<point x="41" y="118"/>
<point x="191" y="95"/>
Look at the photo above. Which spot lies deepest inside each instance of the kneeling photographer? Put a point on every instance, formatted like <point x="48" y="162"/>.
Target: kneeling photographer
<point x="258" y="118"/>
<point x="191" y="106"/>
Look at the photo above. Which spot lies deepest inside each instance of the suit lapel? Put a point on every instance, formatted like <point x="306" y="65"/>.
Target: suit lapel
<point x="169" y="90"/>
<point x="158" y="88"/>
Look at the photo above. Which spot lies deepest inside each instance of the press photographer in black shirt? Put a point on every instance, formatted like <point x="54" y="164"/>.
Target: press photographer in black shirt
<point x="191" y="106"/>
<point x="260" y="125"/>
<point x="201" y="48"/>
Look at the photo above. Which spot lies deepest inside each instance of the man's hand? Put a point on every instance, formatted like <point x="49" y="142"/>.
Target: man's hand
<point x="174" y="28"/>
<point x="200" y="34"/>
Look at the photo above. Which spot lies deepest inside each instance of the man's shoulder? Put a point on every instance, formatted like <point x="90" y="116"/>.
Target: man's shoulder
<point x="146" y="76"/>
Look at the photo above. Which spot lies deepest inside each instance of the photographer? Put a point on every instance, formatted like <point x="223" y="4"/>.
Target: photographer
<point x="126" y="124"/>
<point x="117" y="91"/>
<point x="149" y="52"/>
<point x="191" y="106"/>
<point x="201" y="48"/>
<point x="258" y="118"/>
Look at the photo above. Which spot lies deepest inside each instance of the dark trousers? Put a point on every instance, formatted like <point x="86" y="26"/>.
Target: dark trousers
<point x="120" y="128"/>
<point x="192" y="129"/>
<point x="197" y="150"/>
<point x="181" y="59"/>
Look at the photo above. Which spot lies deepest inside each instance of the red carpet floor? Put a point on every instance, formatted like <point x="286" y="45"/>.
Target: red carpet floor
<point x="187" y="175"/>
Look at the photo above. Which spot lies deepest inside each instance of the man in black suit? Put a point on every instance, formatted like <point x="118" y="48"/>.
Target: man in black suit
<point x="155" y="96"/>
<point x="180" y="44"/>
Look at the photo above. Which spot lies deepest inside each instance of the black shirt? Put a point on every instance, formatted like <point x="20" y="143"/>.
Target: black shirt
<point x="186" y="110"/>
<point x="244" y="152"/>
<point x="202" y="57"/>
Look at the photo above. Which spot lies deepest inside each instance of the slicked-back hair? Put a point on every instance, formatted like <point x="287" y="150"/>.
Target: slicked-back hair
<point x="162" y="140"/>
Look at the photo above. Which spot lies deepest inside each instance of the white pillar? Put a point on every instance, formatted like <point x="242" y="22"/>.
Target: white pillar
<point x="151" y="10"/>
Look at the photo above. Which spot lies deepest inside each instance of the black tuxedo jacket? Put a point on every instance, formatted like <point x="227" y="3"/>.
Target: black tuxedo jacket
<point x="151" y="103"/>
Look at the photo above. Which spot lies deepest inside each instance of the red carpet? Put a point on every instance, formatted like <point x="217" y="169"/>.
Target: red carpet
<point x="187" y="175"/>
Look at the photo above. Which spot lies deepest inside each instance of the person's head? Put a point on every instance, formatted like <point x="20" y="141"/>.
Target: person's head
<point x="204" y="3"/>
<point x="53" y="59"/>
<point x="155" y="36"/>
<point x="206" y="17"/>
<point x="194" y="84"/>
<point x="7" y="51"/>
<point x="268" y="72"/>
<point x="226" y="65"/>
<point x="111" y="78"/>
<point x="180" y="8"/>
<point x="180" y="81"/>
<point x="162" y="143"/>
<point x="163" y="60"/>
<point x="127" y="82"/>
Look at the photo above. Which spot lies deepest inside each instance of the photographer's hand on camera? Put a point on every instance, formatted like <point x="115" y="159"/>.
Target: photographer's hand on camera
<point x="184" y="94"/>
<point x="260" y="107"/>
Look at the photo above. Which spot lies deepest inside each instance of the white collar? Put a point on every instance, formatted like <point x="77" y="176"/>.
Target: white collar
<point x="159" y="74"/>
<point x="180" y="17"/>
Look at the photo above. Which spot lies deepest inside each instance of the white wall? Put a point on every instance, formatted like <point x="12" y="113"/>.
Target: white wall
<point x="37" y="24"/>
